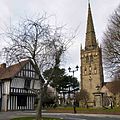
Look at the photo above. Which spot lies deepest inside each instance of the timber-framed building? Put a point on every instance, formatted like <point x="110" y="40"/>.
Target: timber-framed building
<point x="13" y="83"/>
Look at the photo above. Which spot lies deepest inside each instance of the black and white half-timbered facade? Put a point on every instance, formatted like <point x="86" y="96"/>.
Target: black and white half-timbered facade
<point x="13" y="83"/>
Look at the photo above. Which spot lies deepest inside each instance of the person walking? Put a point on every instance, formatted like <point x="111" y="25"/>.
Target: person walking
<point x="74" y="106"/>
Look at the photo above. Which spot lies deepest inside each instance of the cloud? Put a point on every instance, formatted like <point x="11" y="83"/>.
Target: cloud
<point x="4" y="14"/>
<point x="70" y="12"/>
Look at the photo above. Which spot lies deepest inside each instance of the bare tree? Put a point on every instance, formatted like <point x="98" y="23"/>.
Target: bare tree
<point x="111" y="43"/>
<point x="83" y="97"/>
<point x="40" y="42"/>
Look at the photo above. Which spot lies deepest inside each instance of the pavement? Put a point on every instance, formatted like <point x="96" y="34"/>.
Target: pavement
<point x="13" y="114"/>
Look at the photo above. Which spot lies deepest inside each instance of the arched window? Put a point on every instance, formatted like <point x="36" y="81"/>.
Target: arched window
<point x="85" y="72"/>
<point x="95" y="70"/>
<point x="91" y="58"/>
<point x="87" y="59"/>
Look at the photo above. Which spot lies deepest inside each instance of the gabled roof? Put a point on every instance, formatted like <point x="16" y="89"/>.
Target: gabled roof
<point x="112" y="87"/>
<point x="12" y="70"/>
<point x="108" y="84"/>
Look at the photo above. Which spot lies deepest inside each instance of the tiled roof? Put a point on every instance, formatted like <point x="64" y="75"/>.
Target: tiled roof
<point x="12" y="70"/>
<point x="2" y="70"/>
<point x="112" y="87"/>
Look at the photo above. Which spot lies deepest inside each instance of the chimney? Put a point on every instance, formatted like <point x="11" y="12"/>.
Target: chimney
<point x="3" y="65"/>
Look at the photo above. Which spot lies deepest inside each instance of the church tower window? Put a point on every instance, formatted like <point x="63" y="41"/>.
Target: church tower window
<point x="90" y="70"/>
<point x="85" y="71"/>
<point x="90" y="80"/>
<point x="95" y="70"/>
<point x="91" y="58"/>
<point x="87" y="59"/>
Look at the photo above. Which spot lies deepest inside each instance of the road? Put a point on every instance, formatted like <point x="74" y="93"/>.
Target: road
<point x="65" y="116"/>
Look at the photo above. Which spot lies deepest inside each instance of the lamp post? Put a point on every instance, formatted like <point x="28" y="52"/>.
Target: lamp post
<point x="73" y="71"/>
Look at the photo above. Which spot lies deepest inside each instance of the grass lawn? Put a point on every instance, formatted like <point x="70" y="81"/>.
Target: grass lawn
<point x="85" y="110"/>
<point x="33" y="118"/>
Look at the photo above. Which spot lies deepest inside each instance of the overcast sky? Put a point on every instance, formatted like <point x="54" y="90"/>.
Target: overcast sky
<point x="70" y="12"/>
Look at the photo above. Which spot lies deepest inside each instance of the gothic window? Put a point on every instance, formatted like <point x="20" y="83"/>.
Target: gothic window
<point x="90" y="70"/>
<point x="87" y="59"/>
<point x="91" y="58"/>
<point x="95" y="70"/>
<point x="82" y="56"/>
<point x="85" y="72"/>
<point x="90" y="80"/>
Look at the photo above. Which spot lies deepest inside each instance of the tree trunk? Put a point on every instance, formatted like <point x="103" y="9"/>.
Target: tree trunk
<point x="39" y="108"/>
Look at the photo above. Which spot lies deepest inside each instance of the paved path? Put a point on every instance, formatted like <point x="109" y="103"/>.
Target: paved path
<point x="65" y="116"/>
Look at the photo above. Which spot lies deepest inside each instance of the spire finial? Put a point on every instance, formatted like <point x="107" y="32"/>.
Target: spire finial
<point x="88" y="1"/>
<point x="90" y="33"/>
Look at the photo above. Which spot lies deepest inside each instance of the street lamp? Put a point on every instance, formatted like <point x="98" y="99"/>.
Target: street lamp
<point x="73" y="71"/>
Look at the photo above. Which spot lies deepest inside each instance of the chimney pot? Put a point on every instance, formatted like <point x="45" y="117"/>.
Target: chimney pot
<point x="3" y="65"/>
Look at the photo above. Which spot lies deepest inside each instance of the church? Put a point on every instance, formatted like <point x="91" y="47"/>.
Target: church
<point x="92" y="78"/>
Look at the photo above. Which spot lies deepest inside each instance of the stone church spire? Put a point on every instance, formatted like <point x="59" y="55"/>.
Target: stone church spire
<point x="91" y="61"/>
<point x="90" y="42"/>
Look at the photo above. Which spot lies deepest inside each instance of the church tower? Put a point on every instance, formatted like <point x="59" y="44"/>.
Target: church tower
<point x="91" y="60"/>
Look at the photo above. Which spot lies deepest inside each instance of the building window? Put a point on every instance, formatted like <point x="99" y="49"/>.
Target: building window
<point x="85" y="72"/>
<point x="90" y="80"/>
<point x="87" y="59"/>
<point x="90" y="68"/>
<point x="21" y="100"/>
<point x="91" y="58"/>
<point x="95" y="70"/>
<point x="27" y="83"/>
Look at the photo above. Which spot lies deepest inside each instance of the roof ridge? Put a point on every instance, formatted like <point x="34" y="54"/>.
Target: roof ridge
<point x="12" y="70"/>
